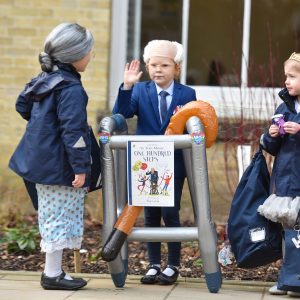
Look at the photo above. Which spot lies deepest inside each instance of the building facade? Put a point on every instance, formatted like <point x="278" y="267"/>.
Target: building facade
<point x="24" y="25"/>
<point x="235" y="49"/>
<point x="234" y="52"/>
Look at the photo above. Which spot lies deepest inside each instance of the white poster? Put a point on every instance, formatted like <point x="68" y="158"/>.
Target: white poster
<point x="150" y="171"/>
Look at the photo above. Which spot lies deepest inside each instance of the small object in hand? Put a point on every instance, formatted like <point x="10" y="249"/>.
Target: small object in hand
<point x="279" y="121"/>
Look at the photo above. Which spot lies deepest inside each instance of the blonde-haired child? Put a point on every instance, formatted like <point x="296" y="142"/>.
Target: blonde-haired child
<point x="283" y="141"/>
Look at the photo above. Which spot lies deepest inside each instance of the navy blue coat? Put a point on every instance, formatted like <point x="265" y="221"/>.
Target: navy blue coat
<point x="142" y="101"/>
<point x="55" y="106"/>
<point x="286" y="170"/>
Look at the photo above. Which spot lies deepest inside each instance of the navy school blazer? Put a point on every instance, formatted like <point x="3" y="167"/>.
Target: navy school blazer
<point x="142" y="101"/>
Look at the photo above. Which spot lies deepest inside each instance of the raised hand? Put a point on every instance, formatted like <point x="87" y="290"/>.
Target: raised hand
<point x="132" y="74"/>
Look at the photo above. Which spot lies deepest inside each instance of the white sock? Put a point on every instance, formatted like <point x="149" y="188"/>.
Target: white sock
<point x="68" y="277"/>
<point x="152" y="271"/>
<point x="168" y="271"/>
<point x="53" y="263"/>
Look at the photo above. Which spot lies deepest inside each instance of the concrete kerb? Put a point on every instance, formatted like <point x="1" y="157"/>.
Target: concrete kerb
<point x="226" y="282"/>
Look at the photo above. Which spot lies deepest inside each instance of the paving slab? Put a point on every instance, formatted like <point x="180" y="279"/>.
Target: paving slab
<point x="26" y="286"/>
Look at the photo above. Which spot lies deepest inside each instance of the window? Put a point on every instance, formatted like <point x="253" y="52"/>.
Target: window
<point x="274" y="35"/>
<point x="215" y="34"/>
<point x="159" y="19"/>
<point x="215" y="42"/>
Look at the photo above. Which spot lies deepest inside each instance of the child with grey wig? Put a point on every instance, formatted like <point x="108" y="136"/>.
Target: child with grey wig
<point x="66" y="43"/>
<point x="54" y="152"/>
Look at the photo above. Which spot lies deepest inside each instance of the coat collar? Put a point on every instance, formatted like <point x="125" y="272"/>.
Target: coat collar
<point x="46" y="82"/>
<point x="170" y="89"/>
<point x="153" y="98"/>
<point x="69" y="68"/>
<point x="288" y="99"/>
<point x="176" y="97"/>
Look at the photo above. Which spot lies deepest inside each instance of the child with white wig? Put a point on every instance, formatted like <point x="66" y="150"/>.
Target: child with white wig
<point x="163" y="48"/>
<point x="154" y="102"/>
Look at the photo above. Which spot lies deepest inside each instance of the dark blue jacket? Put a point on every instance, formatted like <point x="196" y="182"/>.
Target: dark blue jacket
<point x="286" y="169"/>
<point x="55" y="106"/>
<point x="142" y="101"/>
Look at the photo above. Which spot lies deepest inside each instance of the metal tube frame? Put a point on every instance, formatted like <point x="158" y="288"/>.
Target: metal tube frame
<point x="115" y="195"/>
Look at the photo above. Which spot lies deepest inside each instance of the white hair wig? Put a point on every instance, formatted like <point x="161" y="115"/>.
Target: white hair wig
<point x="163" y="48"/>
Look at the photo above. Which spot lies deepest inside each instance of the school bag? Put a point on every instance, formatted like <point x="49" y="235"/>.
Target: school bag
<point x="95" y="179"/>
<point x="255" y="241"/>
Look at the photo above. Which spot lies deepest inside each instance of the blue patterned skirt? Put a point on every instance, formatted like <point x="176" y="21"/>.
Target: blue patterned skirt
<point x="60" y="216"/>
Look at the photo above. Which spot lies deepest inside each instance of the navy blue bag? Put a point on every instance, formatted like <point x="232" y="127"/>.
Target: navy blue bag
<point x="255" y="241"/>
<point x="95" y="179"/>
<point x="289" y="275"/>
<point x="32" y="192"/>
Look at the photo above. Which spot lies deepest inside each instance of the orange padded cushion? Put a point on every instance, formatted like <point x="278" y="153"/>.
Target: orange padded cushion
<point x="201" y="109"/>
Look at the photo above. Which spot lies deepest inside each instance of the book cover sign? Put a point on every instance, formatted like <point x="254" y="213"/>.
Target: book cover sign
<point x="150" y="171"/>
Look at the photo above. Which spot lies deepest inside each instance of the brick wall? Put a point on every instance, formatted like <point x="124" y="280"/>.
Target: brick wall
<point x="24" y="25"/>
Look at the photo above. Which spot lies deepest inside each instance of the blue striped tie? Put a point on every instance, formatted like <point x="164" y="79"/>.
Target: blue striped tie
<point x="163" y="105"/>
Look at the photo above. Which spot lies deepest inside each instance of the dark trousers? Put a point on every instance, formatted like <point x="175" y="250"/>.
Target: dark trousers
<point x="171" y="218"/>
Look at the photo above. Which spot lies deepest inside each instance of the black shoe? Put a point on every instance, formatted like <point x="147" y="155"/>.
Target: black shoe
<point x="167" y="280"/>
<point x="60" y="283"/>
<point x="151" y="279"/>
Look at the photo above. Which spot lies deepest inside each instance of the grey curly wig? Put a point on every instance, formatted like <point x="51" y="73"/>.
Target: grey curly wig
<point x="66" y="43"/>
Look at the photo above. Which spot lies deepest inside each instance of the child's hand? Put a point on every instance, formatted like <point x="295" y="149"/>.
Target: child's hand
<point x="132" y="74"/>
<point x="274" y="130"/>
<point x="291" y="127"/>
<point x="79" y="180"/>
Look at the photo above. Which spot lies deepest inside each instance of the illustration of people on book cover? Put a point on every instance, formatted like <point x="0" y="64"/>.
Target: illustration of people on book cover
<point x="150" y="173"/>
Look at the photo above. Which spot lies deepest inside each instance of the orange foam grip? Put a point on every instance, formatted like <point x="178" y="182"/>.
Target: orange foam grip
<point x="201" y="109"/>
<point x="127" y="218"/>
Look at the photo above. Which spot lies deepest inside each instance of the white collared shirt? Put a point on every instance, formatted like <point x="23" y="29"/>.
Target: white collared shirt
<point x="170" y="90"/>
<point x="297" y="106"/>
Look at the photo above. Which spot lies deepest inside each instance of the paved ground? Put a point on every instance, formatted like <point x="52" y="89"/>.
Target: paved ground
<point x="26" y="286"/>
